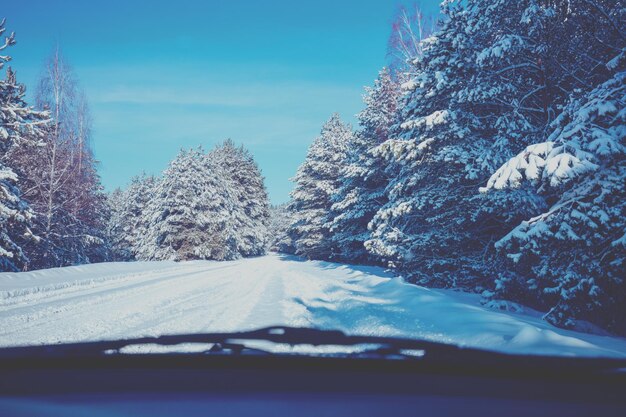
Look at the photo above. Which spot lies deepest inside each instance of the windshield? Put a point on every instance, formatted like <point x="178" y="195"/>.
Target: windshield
<point x="446" y="173"/>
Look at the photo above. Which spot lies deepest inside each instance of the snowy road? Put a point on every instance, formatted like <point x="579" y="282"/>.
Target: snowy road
<point x="119" y="300"/>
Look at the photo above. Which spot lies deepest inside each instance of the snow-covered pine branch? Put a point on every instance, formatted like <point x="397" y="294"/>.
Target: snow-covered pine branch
<point x="575" y="248"/>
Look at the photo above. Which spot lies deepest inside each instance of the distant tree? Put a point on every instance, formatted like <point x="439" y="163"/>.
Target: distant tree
<point x="116" y="225"/>
<point x="250" y="215"/>
<point x="279" y="239"/>
<point x="126" y="224"/>
<point x="188" y="216"/>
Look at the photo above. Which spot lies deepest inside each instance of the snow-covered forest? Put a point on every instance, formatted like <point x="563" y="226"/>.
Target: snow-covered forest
<point x="489" y="157"/>
<point x="54" y="211"/>
<point x="205" y="206"/>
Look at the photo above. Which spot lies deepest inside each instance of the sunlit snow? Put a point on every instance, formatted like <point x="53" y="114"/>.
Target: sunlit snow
<point x="122" y="300"/>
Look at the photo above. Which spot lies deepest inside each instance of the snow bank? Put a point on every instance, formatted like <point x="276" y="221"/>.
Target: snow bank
<point x="27" y="285"/>
<point x="364" y="300"/>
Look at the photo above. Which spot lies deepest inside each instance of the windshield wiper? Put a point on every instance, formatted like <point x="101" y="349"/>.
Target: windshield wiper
<point x="241" y="343"/>
<point x="234" y="342"/>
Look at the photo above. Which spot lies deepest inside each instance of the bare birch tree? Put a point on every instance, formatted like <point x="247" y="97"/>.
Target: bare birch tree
<point x="409" y="28"/>
<point x="63" y="186"/>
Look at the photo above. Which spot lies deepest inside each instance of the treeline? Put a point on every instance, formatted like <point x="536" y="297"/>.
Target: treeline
<point x="54" y="212"/>
<point x="205" y="206"/>
<point x="492" y="161"/>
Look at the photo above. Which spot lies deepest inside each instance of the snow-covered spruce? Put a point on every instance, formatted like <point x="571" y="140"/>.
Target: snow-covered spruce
<point x="188" y="216"/>
<point x="316" y="182"/>
<point x="363" y="180"/>
<point x="491" y="83"/>
<point x="19" y="125"/>
<point x="250" y="215"/>
<point x="498" y="78"/>
<point x="478" y="97"/>
<point x="571" y="258"/>
<point x="205" y="206"/>
<point x="279" y="239"/>
<point x="419" y="231"/>
<point x="125" y="227"/>
<point x="116" y="237"/>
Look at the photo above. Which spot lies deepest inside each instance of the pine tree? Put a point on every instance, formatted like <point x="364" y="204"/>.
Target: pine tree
<point x="126" y="226"/>
<point x="570" y="259"/>
<point x="316" y="183"/>
<point x="566" y="258"/>
<point x="363" y="181"/>
<point x="489" y="83"/>
<point x="250" y="215"/>
<point x="139" y="194"/>
<point x="20" y="125"/>
<point x="279" y="239"/>
<point x="189" y="215"/>
<point x="116" y="225"/>
<point x="415" y="231"/>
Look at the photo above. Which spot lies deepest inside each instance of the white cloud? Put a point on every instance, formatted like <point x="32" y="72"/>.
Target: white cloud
<point x="271" y="95"/>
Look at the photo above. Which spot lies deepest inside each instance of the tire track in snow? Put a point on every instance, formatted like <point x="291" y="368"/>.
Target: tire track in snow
<point x="203" y="296"/>
<point x="101" y="311"/>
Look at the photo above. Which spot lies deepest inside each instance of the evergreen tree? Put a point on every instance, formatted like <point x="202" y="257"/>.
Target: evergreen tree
<point x="317" y="181"/>
<point x="489" y="83"/>
<point x="189" y="215"/>
<point x="415" y="231"/>
<point x="279" y="239"/>
<point x="250" y="215"/>
<point x="363" y="181"/>
<point x="570" y="259"/>
<point x="116" y="225"/>
<point x="562" y="259"/>
<point x="129" y="219"/>
<point x="126" y="224"/>
<point x="19" y="125"/>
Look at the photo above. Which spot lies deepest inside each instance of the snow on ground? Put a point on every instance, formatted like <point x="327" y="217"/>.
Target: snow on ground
<point x="122" y="300"/>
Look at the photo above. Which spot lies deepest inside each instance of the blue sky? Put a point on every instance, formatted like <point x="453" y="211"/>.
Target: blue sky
<point x="161" y="75"/>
